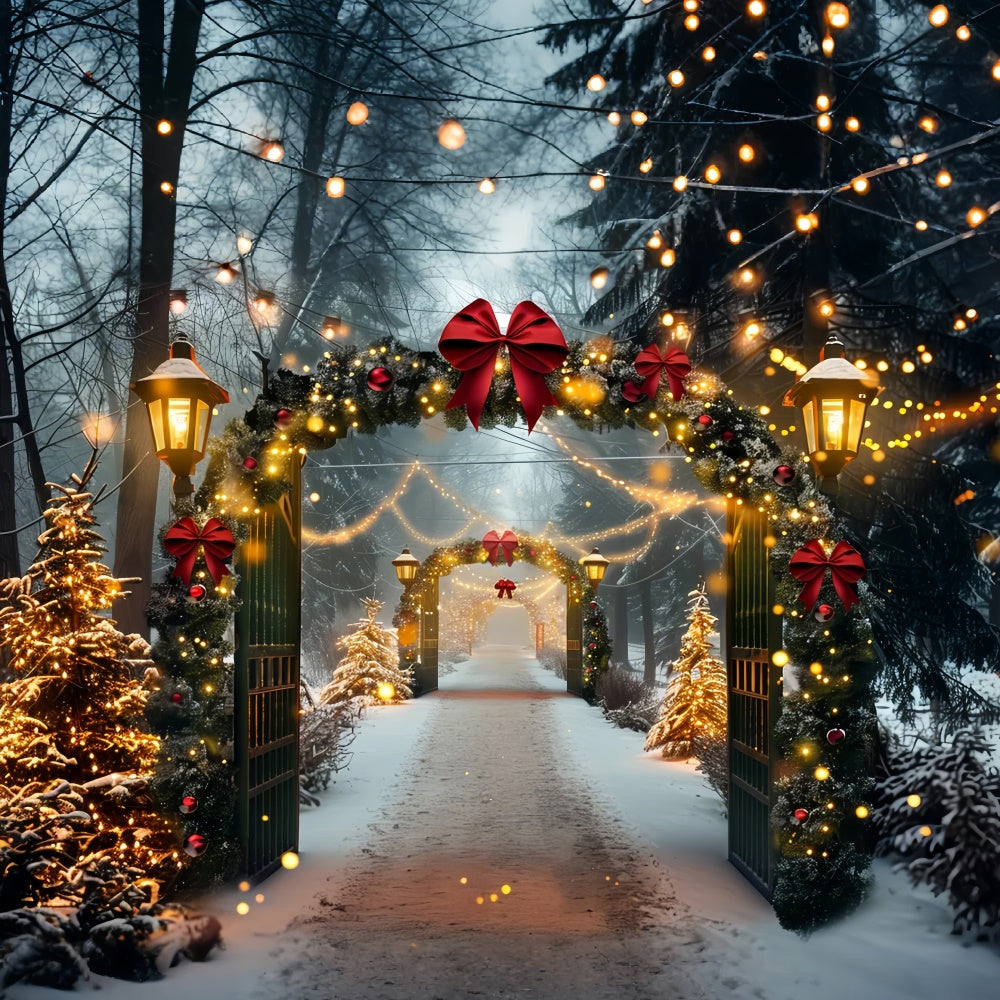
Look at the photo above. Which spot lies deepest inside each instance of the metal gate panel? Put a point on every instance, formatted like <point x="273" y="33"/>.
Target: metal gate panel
<point x="266" y="686"/>
<point x="753" y="632"/>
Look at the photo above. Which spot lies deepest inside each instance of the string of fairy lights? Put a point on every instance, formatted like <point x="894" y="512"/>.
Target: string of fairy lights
<point x="267" y="308"/>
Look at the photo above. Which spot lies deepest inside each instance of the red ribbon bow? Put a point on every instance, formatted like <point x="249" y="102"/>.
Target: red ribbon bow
<point x="494" y="543"/>
<point x="650" y="364"/>
<point x="505" y="588"/>
<point x="810" y="564"/>
<point x="183" y="539"/>
<point x="535" y="344"/>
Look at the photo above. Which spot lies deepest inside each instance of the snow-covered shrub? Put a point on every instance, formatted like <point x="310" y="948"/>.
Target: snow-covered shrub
<point x="713" y="762"/>
<point x="625" y="700"/>
<point x="939" y="811"/>
<point x="554" y="660"/>
<point x="325" y="733"/>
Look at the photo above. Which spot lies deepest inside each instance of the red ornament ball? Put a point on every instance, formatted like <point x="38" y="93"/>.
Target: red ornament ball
<point x="531" y="552"/>
<point x="188" y="804"/>
<point x="195" y="845"/>
<point x="249" y="463"/>
<point x="801" y="815"/>
<point x="835" y="736"/>
<point x="592" y="645"/>
<point x="283" y="418"/>
<point x="593" y="605"/>
<point x="197" y="593"/>
<point x="177" y="697"/>
<point x="728" y="435"/>
<point x="823" y="612"/>
<point x="379" y="379"/>
<point x="632" y="393"/>
<point x="784" y="475"/>
<point x="705" y="420"/>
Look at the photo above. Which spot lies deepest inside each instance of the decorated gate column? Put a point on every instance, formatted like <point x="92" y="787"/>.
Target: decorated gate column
<point x="426" y="671"/>
<point x="574" y="644"/>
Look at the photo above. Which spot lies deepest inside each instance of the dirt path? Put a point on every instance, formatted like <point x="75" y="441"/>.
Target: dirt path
<point x="492" y="875"/>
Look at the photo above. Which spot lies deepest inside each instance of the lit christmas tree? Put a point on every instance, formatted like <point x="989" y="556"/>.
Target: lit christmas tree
<point x="82" y="847"/>
<point x="695" y="703"/>
<point x="370" y="668"/>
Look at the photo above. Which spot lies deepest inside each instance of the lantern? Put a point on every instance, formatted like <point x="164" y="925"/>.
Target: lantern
<point x="595" y="564"/>
<point x="179" y="397"/>
<point x="406" y="565"/>
<point x="834" y="397"/>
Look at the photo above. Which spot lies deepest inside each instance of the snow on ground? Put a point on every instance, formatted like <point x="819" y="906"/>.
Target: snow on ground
<point x="715" y="936"/>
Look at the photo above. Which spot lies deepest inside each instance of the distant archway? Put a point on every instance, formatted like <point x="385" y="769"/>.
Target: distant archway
<point x="417" y="617"/>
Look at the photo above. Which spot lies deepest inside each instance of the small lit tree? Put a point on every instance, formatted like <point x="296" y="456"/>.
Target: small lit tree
<point x="370" y="668"/>
<point x="695" y="703"/>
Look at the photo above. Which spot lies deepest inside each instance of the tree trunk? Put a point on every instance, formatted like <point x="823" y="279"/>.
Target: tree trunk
<point x="162" y="95"/>
<point x="649" y="662"/>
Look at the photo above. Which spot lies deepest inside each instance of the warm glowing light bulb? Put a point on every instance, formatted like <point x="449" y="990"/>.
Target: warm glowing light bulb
<point x="164" y="127"/>
<point x="806" y="222"/>
<point x="708" y="53"/>
<point x="357" y="113"/>
<point x="975" y="216"/>
<point x="943" y="178"/>
<point x="675" y="78"/>
<point x="691" y="22"/>
<point x="963" y="33"/>
<point x="596" y="182"/>
<point x="913" y="801"/>
<point x="826" y="309"/>
<point x="928" y="123"/>
<point x="487" y="186"/>
<point x="596" y="83"/>
<point x="668" y="258"/>
<point x="860" y="185"/>
<point x="861" y="812"/>
<point x="166" y="187"/>
<point x="614" y="118"/>
<point x="680" y="182"/>
<point x="821" y="773"/>
<point x="655" y="241"/>
<point x="335" y="187"/>
<point x="289" y="860"/>
<point x="692" y="5"/>
<point x="756" y="8"/>
<point x="272" y="151"/>
<point x="938" y="15"/>
<point x="225" y="274"/>
<point x="852" y="124"/>
<point x="734" y="236"/>
<point x="824" y="122"/>
<point x="646" y="165"/>
<point x="599" y="277"/>
<point x="638" y="117"/>
<point x="747" y="153"/>
<point x="712" y="174"/>
<point x="823" y="102"/>
<point x="921" y="225"/>
<point x="752" y="330"/>
<point x="995" y="71"/>
<point x="748" y="276"/>
<point x="451" y="134"/>
<point x="838" y="15"/>
<point x="827" y="45"/>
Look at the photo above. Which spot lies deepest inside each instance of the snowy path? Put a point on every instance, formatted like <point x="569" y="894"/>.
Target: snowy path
<point x="559" y="805"/>
<point x="483" y="807"/>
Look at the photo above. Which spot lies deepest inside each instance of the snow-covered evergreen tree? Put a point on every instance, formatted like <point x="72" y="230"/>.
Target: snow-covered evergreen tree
<point x="695" y="702"/>
<point x="371" y="664"/>
<point x="939" y="810"/>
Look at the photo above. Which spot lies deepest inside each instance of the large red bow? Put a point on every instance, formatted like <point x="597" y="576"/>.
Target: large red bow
<point x="216" y="540"/>
<point x="650" y="364"/>
<point x="494" y="543"/>
<point x="535" y="344"/>
<point x="505" y="588"/>
<point x="810" y="563"/>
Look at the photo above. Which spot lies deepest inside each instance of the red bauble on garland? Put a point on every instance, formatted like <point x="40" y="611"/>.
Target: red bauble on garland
<point x="784" y="475"/>
<point x="835" y="736"/>
<point x="249" y="463"/>
<point x="592" y="645"/>
<point x="283" y="418"/>
<point x="195" y="845"/>
<point x="593" y="605"/>
<point x="728" y="435"/>
<point x="800" y="815"/>
<point x="379" y="379"/>
<point x="177" y="697"/>
<point x="823" y="612"/>
<point x="703" y="422"/>
<point x="188" y="804"/>
<point x="197" y="593"/>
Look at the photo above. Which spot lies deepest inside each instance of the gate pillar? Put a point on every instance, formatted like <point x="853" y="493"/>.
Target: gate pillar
<point x="426" y="671"/>
<point x="574" y="645"/>
<point x="753" y="633"/>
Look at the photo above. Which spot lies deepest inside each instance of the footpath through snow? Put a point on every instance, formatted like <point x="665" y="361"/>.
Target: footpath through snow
<point x="615" y="861"/>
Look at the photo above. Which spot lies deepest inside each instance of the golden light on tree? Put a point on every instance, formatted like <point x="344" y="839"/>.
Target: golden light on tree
<point x="852" y="124"/>
<point x="487" y="186"/>
<point x="646" y="165"/>
<point x="943" y="178"/>
<point x="164" y="126"/>
<point x="976" y="216"/>
<point x="708" y="53"/>
<point x="928" y="123"/>
<point x="691" y="22"/>
<point x="680" y="183"/>
<point x="272" y="150"/>
<point x="265" y="307"/>
<point x="752" y="329"/>
<point x="838" y="15"/>
<point x="747" y="153"/>
<point x="596" y="182"/>
<point x="712" y="174"/>
<point x="756" y="8"/>
<point x="451" y="134"/>
<point x="596" y="83"/>
<point x="675" y="78"/>
<point x="335" y="187"/>
<point x="332" y="325"/>
<point x="357" y="113"/>
<point x="823" y="102"/>
<point x="638" y="117"/>
<point x="860" y="185"/>
<point x="178" y="300"/>
<point x="655" y="241"/>
<point x="166" y="187"/>
<point x="824" y="122"/>
<point x="806" y="222"/>
<point x="827" y="45"/>
<point x="225" y="273"/>
<point x="734" y="236"/>
<point x="938" y="15"/>
<point x="963" y="33"/>
<point x="599" y="277"/>
<point x="668" y="257"/>
<point x="244" y="244"/>
<point x="614" y="118"/>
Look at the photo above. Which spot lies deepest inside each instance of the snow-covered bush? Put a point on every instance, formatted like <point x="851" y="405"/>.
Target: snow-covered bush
<point x="626" y="701"/>
<point x="325" y="733"/>
<point x="939" y="811"/>
<point x="712" y="753"/>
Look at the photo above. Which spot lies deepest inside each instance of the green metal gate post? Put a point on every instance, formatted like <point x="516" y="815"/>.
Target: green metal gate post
<point x="266" y="685"/>
<point x="426" y="672"/>
<point x="753" y="633"/>
<point x="574" y="645"/>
